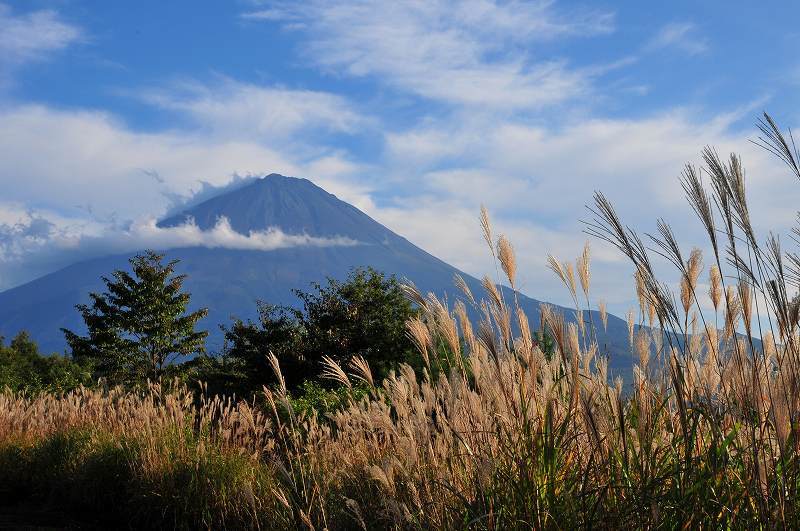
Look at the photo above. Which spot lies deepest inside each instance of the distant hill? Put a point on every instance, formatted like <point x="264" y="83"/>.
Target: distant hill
<point x="229" y="282"/>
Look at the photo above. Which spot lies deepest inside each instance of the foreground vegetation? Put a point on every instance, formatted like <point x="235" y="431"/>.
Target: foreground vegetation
<point x="24" y="369"/>
<point x="490" y="431"/>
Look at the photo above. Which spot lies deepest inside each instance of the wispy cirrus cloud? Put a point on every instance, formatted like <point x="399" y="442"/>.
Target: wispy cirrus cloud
<point x="235" y="109"/>
<point x="682" y="36"/>
<point x="27" y="37"/>
<point x="478" y="52"/>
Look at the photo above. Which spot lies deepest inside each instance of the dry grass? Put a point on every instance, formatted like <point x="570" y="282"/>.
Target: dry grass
<point x="496" y="434"/>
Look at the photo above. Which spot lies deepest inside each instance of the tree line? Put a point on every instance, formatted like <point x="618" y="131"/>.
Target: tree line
<point x="140" y="329"/>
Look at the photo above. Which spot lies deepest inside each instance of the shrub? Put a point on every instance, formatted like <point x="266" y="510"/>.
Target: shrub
<point x="24" y="369"/>
<point x="363" y="315"/>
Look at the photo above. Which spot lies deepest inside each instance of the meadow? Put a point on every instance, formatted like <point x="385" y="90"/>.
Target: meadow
<point x="494" y="432"/>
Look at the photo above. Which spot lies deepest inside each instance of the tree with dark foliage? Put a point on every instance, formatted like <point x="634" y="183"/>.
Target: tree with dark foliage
<point x="244" y="368"/>
<point x="140" y="324"/>
<point x="364" y="315"/>
<point x="24" y="369"/>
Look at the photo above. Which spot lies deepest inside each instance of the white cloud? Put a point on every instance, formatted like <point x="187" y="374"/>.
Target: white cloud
<point x="683" y="36"/>
<point x="537" y="180"/>
<point x="88" y="174"/>
<point x="473" y="52"/>
<point x="31" y="36"/>
<point x="515" y="164"/>
<point x="34" y="243"/>
<point x="236" y="110"/>
<point x="68" y="159"/>
<point x="146" y="234"/>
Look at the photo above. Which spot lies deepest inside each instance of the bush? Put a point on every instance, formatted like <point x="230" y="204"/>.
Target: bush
<point x="364" y="315"/>
<point x="313" y="399"/>
<point x="24" y="369"/>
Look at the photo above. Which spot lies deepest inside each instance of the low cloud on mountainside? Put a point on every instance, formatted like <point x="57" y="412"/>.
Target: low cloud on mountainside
<point x="36" y="244"/>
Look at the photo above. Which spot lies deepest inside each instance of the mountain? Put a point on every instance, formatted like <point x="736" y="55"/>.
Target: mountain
<point x="296" y="206"/>
<point x="230" y="281"/>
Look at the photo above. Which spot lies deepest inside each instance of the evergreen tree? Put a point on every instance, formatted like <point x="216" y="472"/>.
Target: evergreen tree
<point x="140" y="324"/>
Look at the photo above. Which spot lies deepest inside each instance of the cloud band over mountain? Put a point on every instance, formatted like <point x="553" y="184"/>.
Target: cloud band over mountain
<point x="37" y="242"/>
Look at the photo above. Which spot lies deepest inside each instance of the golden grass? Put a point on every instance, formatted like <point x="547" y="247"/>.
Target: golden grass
<point x="503" y="437"/>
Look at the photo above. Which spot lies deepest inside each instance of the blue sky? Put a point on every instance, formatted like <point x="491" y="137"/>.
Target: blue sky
<point x="416" y="112"/>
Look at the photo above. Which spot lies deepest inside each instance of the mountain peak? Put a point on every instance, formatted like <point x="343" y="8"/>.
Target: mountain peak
<point x="283" y="180"/>
<point x="291" y="204"/>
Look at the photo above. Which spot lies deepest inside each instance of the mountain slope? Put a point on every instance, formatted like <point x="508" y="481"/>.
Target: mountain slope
<point x="229" y="282"/>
